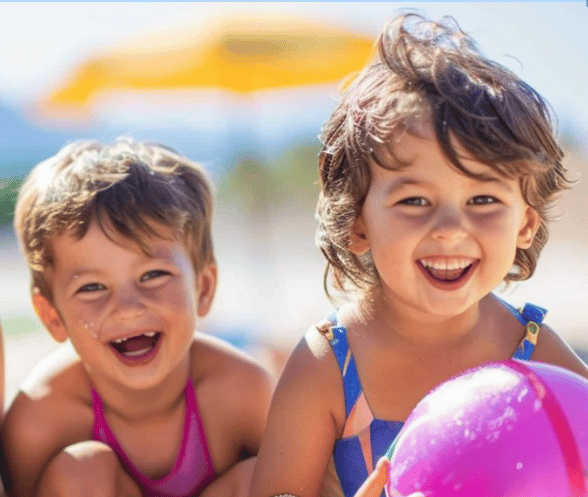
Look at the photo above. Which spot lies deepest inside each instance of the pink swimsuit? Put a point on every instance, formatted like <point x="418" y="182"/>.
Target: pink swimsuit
<point x="193" y="469"/>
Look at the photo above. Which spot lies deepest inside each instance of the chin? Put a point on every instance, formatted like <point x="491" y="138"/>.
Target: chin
<point x="450" y="306"/>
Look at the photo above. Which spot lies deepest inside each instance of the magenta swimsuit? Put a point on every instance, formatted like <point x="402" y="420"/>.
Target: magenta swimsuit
<point x="192" y="471"/>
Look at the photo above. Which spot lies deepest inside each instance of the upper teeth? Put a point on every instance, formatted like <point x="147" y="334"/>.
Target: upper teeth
<point x="446" y="264"/>
<point x="149" y="334"/>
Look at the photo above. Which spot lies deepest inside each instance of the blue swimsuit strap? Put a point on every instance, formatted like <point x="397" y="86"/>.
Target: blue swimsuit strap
<point x="531" y="316"/>
<point x="337" y="336"/>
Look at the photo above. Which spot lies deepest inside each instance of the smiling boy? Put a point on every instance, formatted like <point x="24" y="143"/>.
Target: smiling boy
<point x="118" y="241"/>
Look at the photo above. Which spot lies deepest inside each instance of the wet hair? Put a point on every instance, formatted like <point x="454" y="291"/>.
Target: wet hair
<point x="125" y="187"/>
<point x="432" y="71"/>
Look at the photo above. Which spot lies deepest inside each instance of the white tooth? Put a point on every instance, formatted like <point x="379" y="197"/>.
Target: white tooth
<point x="134" y="353"/>
<point x="150" y="334"/>
<point x="452" y="265"/>
<point x="119" y="340"/>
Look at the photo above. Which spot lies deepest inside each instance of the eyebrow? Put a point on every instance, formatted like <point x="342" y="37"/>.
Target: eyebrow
<point x="399" y="183"/>
<point x="78" y="273"/>
<point x="409" y="181"/>
<point x="487" y="178"/>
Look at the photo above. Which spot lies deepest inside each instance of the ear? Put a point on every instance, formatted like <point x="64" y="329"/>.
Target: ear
<point x="358" y="242"/>
<point x="206" y="289"/>
<point x="529" y="227"/>
<point x="50" y="317"/>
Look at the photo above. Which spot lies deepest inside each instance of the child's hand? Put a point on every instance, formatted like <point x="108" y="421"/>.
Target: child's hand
<point x="374" y="484"/>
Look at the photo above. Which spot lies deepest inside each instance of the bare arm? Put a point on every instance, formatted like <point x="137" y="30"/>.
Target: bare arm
<point x="305" y="417"/>
<point x="236" y="482"/>
<point x="33" y="434"/>
<point x="553" y="349"/>
<point x="47" y="415"/>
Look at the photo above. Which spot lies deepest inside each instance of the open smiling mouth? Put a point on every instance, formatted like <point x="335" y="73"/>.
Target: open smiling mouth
<point x="137" y="347"/>
<point x="447" y="276"/>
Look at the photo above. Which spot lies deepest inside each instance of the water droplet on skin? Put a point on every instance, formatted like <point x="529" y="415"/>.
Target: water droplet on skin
<point x="537" y="405"/>
<point x="519" y="465"/>
<point x="90" y="327"/>
<point x="457" y="487"/>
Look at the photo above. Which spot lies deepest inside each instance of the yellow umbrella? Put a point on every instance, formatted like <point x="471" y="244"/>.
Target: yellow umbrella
<point x="240" y="54"/>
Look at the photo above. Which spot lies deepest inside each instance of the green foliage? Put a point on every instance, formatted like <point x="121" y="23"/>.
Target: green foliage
<point x="257" y="184"/>
<point x="251" y="183"/>
<point x="297" y="170"/>
<point x="8" y="193"/>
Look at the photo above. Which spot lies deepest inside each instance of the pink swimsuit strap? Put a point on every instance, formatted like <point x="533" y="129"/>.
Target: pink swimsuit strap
<point x="193" y="469"/>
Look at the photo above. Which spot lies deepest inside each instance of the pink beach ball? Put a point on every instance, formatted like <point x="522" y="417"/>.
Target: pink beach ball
<point x="505" y="429"/>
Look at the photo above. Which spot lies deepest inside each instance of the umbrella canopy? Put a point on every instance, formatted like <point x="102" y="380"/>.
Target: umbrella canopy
<point x="239" y="54"/>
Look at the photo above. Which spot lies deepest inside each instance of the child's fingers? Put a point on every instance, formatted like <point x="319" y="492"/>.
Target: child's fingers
<point x="375" y="482"/>
<point x="396" y="493"/>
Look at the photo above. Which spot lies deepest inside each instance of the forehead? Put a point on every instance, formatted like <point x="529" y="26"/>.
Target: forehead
<point x="417" y="147"/>
<point x="102" y="238"/>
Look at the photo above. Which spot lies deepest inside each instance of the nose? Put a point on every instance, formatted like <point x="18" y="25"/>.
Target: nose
<point x="127" y="303"/>
<point x="449" y="225"/>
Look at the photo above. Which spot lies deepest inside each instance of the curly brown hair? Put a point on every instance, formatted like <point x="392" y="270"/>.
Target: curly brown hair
<point x="125" y="184"/>
<point x="432" y="70"/>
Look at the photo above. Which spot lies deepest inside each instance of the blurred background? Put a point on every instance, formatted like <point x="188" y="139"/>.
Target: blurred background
<point x="244" y="88"/>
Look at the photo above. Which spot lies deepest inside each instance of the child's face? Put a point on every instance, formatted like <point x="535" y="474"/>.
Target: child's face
<point x="130" y="316"/>
<point x="440" y="240"/>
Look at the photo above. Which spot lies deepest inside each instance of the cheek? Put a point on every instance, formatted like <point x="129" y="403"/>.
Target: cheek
<point x="82" y="319"/>
<point x="500" y="226"/>
<point x="89" y="325"/>
<point x="178" y="299"/>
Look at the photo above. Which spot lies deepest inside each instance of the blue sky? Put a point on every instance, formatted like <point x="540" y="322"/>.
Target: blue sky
<point x="41" y="43"/>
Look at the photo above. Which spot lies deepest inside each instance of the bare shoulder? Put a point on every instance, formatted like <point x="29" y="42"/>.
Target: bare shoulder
<point x="230" y="386"/>
<point x="50" y="412"/>
<point x="215" y="363"/>
<point x="313" y="357"/>
<point x="306" y="417"/>
<point x="311" y="379"/>
<point x="553" y="349"/>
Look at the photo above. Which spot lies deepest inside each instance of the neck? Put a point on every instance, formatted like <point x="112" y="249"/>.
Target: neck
<point x="393" y="321"/>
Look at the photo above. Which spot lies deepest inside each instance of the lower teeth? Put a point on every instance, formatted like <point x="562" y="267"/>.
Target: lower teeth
<point x="134" y="353"/>
<point x="438" y="276"/>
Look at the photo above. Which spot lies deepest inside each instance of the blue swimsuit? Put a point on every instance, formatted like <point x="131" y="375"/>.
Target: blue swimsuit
<point x="365" y="439"/>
